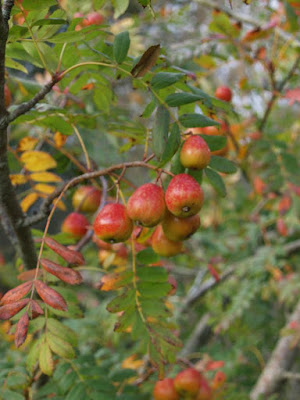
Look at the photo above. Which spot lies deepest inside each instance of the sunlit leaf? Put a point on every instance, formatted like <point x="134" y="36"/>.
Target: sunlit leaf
<point x="37" y="161"/>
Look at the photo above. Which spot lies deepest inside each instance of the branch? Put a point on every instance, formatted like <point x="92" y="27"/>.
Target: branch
<point x="25" y="107"/>
<point x="196" y="336"/>
<point x="46" y="206"/>
<point x="280" y="361"/>
<point x="276" y="93"/>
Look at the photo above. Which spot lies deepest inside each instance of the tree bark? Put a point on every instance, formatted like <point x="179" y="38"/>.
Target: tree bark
<point x="10" y="211"/>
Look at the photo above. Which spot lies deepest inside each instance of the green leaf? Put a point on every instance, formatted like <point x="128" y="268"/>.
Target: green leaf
<point x="205" y="98"/>
<point x="179" y="99"/>
<point x="64" y="332"/>
<point x="9" y="394"/>
<point x="221" y="164"/>
<point x="216" y="181"/>
<point x="150" y="107"/>
<point x="176" y="166"/>
<point x="145" y="3"/>
<point x="78" y="392"/>
<point x="45" y="359"/>
<point x="164" y="79"/>
<point x="172" y="146"/>
<point x="290" y="163"/>
<point x="121" y="46"/>
<point x="196" y="174"/>
<point x="67" y="37"/>
<point x="38" y="5"/>
<point x="147" y="256"/>
<point x="121" y="302"/>
<point x="9" y="63"/>
<point x="152" y="274"/>
<point x="49" y="21"/>
<point x="196" y="120"/>
<point x="154" y="289"/>
<point x="291" y="16"/>
<point x="160" y="131"/>
<point x="120" y="7"/>
<point x="215" y="142"/>
<point x="59" y="346"/>
<point x="33" y="355"/>
<point x="36" y="325"/>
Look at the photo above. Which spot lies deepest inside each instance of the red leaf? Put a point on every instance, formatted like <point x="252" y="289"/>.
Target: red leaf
<point x="213" y="272"/>
<point x="67" y="275"/>
<point x="284" y="205"/>
<point x="219" y="379"/>
<point x="293" y="95"/>
<point x="50" y="296"/>
<point x="36" y="309"/>
<point x="259" y="185"/>
<point x="21" y="330"/>
<point x="71" y="256"/>
<point x="281" y="227"/>
<point x="28" y="275"/>
<point x="16" y="293"/>
<point x="9" y="310"/>
<point x="211" y="365"/>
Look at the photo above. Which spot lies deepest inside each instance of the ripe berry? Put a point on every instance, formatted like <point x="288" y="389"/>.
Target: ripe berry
<point x="188" y="382"/>
<point x="86" y="199"/>
<point x="76" y="225"/>
<point x="195" y="153"/>
<point x="147" y="205"/>
<point x="163" y="246"/>
<point x="223" y="93"/>
<point x="112" y="224"/>
<point x="184" y="196"/>
<point x="93" y="18"/>
<point x="179" y="229"/>
<point x="205" y="392"/>
<point x="164" y="390"/>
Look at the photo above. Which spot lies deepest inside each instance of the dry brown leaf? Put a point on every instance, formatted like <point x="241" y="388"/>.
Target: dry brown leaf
<point x="50" y="296"/>
<point x="16" y="293"/>
<point x="146" y="62"/>
<point x="21" y="330"/>
<point x="67" y="275"/>
<point x="71" y="256"/>
<point x="9" y="310"/>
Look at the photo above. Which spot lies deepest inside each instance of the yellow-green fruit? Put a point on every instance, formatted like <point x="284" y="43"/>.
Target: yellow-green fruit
<point x="164" y="246"/>
<point x="86" y="199"/>
<point x="178" y="229"/>
<point x="195" y="153"/>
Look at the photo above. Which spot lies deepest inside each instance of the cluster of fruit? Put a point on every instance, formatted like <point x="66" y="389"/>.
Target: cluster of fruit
<point x="188" y="384"/>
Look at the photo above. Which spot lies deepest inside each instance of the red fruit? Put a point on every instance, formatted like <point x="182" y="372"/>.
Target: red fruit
<point x="281" y="227"/>
<point x="112" y="224"/>
<point x="164" y="390"/>
<point x="205" y="391"/>
<point x="93" y="18"/>
<point x="223" y="93"/>
<point x="7" y="96"/>
<point x="86" y="199"/>
<point x="195" y="153"/>
<point x="188" y="382"/>
<point x="147" y="205"/>
<point x="179" y="229"/>
<point x="76" y="225"/>
<point x="163" y="246"/>
<point x="184" y="196"/>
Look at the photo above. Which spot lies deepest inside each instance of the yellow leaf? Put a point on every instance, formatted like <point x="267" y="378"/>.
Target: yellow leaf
<point x="45" y="190"/>
<point x="45" y="177"/>
<point x="60" y="139"/>
<point x="132" y="363"/>
<point x="41" y="187"/>
<point x="18" y="179"/>
<point x="37" y="161"/>
<point x="27" y="143"/>
<point x="28" y="201"/>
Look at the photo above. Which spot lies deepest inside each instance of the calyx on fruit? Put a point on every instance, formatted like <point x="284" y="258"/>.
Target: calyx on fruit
<point x="184" y="196"/>
<point x="86" y="199"/>
<point x="164" y="390"/>
<point x="188" y="382"/>
<point x="195" y="153"/>
<point x="112" y="224"/>
<point x="164" y="246"/>
<point x="178" y="229"/>
<point x="76" y="225"/>
<point x="147" y="205"/>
